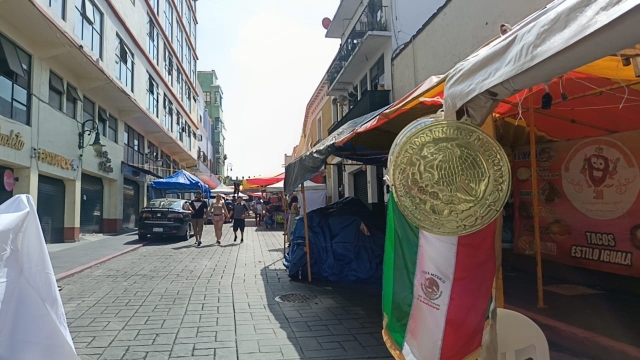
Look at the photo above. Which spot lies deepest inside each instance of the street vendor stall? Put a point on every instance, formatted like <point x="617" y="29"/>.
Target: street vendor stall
<point x="180" y="183"/>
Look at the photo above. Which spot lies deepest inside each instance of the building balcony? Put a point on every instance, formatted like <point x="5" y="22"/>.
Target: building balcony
<point x="369" y="34"/>
<point x="370" y="101"/>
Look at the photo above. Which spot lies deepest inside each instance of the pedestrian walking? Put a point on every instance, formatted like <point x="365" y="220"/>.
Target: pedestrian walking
<point x="198" y="208"/>
<point x="239" y="213"/>
<point x="294" y="212"/>
<point x="259" y="211"/>
<point x="219" y="213"/>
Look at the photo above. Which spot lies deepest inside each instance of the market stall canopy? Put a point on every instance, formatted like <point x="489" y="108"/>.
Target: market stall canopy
<point x="308" y="185"/>
<point x="222" y="189"/>
<point x="208" y="181"/>
<point x="180" y="182"/>
<point x="246" y="186"/>
<point x="265" y="180"/>
<point x="554" y="41"/>
<point x="309" y="164"/>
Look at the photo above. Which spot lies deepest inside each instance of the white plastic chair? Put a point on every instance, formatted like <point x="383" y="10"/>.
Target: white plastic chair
<point x="519" y="338"/>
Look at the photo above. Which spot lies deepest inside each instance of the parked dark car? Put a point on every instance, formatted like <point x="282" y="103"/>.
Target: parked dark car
<point x="165" y="217"/>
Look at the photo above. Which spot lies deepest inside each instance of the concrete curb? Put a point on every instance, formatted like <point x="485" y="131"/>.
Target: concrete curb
<point x="579" y="340"/>
<point x="82" y="268"/>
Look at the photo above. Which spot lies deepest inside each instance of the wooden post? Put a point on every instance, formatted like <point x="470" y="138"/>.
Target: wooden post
<point x="536" y="209"/>
<point x="284" y="217"/>
<point x="306" y="231"/>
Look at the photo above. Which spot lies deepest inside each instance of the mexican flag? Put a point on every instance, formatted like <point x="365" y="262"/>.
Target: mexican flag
<point x="438" y="292"/>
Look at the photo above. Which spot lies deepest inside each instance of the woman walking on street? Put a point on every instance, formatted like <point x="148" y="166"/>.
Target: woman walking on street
<point x="219" y="213"/>
<point x="294" y="212"/>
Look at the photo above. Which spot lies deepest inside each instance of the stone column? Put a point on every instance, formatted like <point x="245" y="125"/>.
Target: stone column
<point x="112" y="218"/>
<point x="72" y="201"/>
<point x="27" y="182"/>
<point x="372" y="184"/>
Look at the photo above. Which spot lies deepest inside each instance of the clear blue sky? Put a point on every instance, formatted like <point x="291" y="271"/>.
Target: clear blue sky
<point x="269" y="56"/>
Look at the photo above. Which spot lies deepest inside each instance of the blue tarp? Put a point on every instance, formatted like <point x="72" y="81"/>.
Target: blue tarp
<point x="341" y="251"/>
<point x="181" y="182"/>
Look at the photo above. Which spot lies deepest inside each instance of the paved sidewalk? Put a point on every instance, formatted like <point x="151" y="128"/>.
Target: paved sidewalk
<point x="170" y="300"/>
<point x="68" y="256"/>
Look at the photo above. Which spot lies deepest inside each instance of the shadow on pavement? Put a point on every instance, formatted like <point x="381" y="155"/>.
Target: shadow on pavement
<point x="329" y="320"/>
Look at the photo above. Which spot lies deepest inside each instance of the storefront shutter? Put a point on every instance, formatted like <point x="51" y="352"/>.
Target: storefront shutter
<point x="91" y="206"/>
<point x="360" y="186"/>
<point x="130" y="203"/>
<point x="51" y="208"/>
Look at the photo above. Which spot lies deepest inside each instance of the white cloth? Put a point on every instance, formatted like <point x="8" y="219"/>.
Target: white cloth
<point x="33" y="324"/>
<point x="315" y="199"/>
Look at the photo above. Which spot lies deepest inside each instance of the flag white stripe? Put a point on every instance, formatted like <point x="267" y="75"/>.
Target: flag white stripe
<point x="436" y="264"/>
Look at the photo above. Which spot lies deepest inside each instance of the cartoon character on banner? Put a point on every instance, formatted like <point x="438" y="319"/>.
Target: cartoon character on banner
<point x="597" y="169"/>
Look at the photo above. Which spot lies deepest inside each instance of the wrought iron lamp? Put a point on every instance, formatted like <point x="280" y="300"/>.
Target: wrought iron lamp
<point x="97" y="145"/>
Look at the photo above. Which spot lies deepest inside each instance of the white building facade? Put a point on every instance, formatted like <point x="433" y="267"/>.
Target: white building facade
<point x="73" y="72"/>
<point x="360" y="79"/>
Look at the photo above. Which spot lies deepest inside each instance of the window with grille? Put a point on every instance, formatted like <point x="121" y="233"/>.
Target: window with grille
<point x="168" y="19"/>
<point x="71" y="101"/>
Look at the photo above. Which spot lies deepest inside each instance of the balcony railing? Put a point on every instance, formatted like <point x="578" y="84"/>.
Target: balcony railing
<point x="370" y="101"/>
<point x="373" y="18"/>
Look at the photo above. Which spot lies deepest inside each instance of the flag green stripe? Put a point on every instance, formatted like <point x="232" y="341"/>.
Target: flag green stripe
<point x="401" y="252"/>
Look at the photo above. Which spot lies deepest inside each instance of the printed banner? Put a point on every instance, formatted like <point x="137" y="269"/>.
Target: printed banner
<point x="588" y="202"/>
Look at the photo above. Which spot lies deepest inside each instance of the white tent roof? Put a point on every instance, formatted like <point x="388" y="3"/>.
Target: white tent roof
<point x="308" y="185"/>
<point x="222" y="189"/>
<point x="562" y="37"/>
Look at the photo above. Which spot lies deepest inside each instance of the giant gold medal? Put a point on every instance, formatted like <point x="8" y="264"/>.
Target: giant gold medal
<point x="448" y="177"/>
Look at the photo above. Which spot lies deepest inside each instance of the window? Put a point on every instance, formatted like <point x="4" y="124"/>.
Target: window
<point x="218" y="99"/>
<point x="153" y="40"/>
<point x="180" y="127"/>
<point x="188" y="17"/>
<point x="188" y="137"/>
<point x="89" y="25"/>
<point x="56" y="90"/>
<point x="168" y="19"/>
<point x="364" y="85"/>
<point x="133" y="146"/>
<point x="193" y="69"/>
<point x="168" y="65"/>
<point x="181" y="7"/>
<point x="187" y="60"/>
<point x="58" y="7"/>
<point x="112" y="132"/>
<point x="319" y="123"/>
<point x="377" y="74"/>
<point x="179" y="41"/>
<point x="154" y="155"/>
<point x="187" y="97"/>
<point x="72" y="99"/>
<point x="168" y="114"/>
<point x="88" y="112"/>
<point x="103" y="120"/>
<point x="15" y="81"/>
<point x="207" y="97"/>
<point x="124" y="64"/>
<point x="155" y="4"/>
<point x="153" y="96"/>
<point x="180" y="85"/>
<point x="193" y="29"/>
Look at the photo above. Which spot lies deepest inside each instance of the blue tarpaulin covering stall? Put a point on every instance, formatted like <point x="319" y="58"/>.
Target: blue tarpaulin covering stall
<point x="179" y="183"/>
<point x="347" y="245"/>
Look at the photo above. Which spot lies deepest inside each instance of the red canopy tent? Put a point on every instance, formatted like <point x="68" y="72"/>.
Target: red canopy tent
<point x="270" y="180"/>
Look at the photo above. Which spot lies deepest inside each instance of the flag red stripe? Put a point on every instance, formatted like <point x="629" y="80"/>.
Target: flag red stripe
<point x="470" y="294"/>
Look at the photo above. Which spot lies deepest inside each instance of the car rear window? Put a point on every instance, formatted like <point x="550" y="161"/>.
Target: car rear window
<point x="166" y="204"/>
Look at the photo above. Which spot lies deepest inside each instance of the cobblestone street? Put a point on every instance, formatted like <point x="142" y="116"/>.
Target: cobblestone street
<point x="171" y="300"/>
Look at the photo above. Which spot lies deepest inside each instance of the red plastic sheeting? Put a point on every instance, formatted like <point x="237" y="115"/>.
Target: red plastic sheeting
<point x="267" y="181"/>
<point x="593" y="107"/>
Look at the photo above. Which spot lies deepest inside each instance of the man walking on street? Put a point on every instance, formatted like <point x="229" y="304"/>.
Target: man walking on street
<point x="238" y="214"/>
<point x="198" y="210"/>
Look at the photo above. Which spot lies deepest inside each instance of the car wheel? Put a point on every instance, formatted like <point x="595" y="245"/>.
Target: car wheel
<point x="142" y="237"/>
<point x="187" y="234"/>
